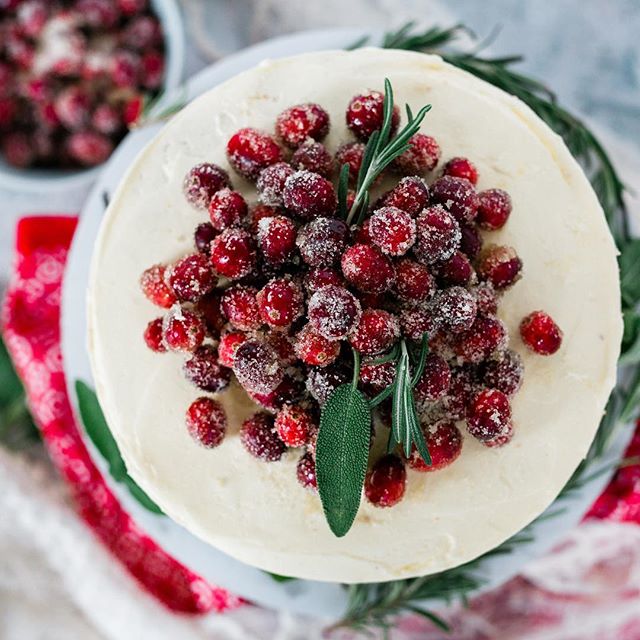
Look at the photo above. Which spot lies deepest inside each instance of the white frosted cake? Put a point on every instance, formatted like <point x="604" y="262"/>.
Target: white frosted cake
<point x="257" y="511"/>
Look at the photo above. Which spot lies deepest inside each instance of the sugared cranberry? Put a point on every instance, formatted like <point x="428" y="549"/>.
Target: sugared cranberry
<point x="365" y="114"/>
<point x="206" y="422"/>
<point x="540" y="333"/>
<point x="226" y="209"/>
<point x="333" y="312"/>
<point x="260" y="212"/>
<point x="314" y="349"/>
<point x="202" y="182"/>
<point x="464" y="385"/>
<point x="228" y="345"/>
<point x="470" y="240"/>
<point x="392" y="230"/>
<point x="151" y="69"/>
<point x="153" y="336"/>
<point x="422" y="156"/>
<point x="257" y="366"/>
<point x="458" y="195"/>
<point x="456" y="270"/>
<point x="106" y="119"/>
<point x="454" y="308"/>
<point x="306" y="472"/>
<point x="233" y="253"/>
<point x="486" y="298"/>
<point x="494" y="209"/>
<point x="203" y="369"/>
<point x="377" y="377"/>
<point x="313" y="156"/>
<point x="293" y="424"/>
<point x="351" y="154"/>
<point x="322" y="382"/>
<point x="504" y="373"/>
<point x="142" y="33"/>
<point x="283" y="346"/>
<point x="260" y="439"/>
<point x="18" y="150"/>
<point x="367" y="269"/>
<point x="417" y="321"/>
<point x="249" y="151"/>
<point x="183" y="330"/>
<point x="124" y="68"/>
<point x="444" y="442"/>
<point x="461" y="168"/>
<point x="362" y="234"/>
<point x="499" y="265"/>
<point x="376" y="332"/>
<point x="385" y="484"/>
<point x="89" y="148"/>
<point x="297" y="124"/>
<point x="155" y="287"/>
<point x="72" y="107"/>
<point x="280" y="303"/>
<point x="411" y="194"/>
<point x="271" y="182"/>
<point x="191" y="277"/>
<point x="504" y="438"/>
<point x="309" y="195"/>
<point x="276" y="239"/>
<point x="414" y="283"/>
<point x="435" y="380"/>
<point x="240" y="305"/>
<point x="322" y="241"/>
<point x="203" y="237"/>
<point x="488" y="414"/>
<point x="321" y="277"/>
<point x="209" y="308"/>
<point x="486" y="336"/>
<point x="131" y="7"/>
<point x="291" y="389"/>
<point x="437" y="235"/>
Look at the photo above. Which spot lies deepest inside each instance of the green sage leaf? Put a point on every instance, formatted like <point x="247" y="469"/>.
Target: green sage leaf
<point x="629" y="261"/>
<point x="630" y="353"/>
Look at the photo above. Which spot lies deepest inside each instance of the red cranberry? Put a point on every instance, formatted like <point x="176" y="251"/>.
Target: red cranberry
<point x="411" y="194"/>
<point x="191" y="277"/>
<point x="155" y="288"/>
<point x="293" y="424"/>
<point x="142" y="33"/>
<point x="32" y="16"/>
<point x="152" y="69"/>
<point x="437" y="235"/>
<point x="365" y="114"/>
<point x="228" y="345"/>
<point x="18" y="150"/>
<point x="321" y="277"/>
<point x="276" y="239"/>
<point x="271" y="183"/>
<point x="203" y="237"/>
<point x="132" y="111"/>
<point x="131" y="7"/>
<point x="392" y="230"/>
<point x="322" y="382"/>
<point x="415" y="322"/>
<point x="291" y="389"/>
<point x="463" y="386"/>
<point x="209" y="308"/>
<point x="333" y="312"/>
<point x="444" y="442"/>
<point x="206" y="422"/>
<point x="226" y="209"/>
<point x="72" y="107"/>
<point x="297" y="124"/>
<point x="362" y="234"/>
<point x="106" y="119"/>
<point x="540" y="333"/>
<point x="153" y="336"/>
<point x="309" y="195"/>
<point x="306" y="472"/>
<point x="385" y="484"/>
<point x="470" y="240"/>
<point x="504" y="373"/>
<point x="183" y="330"/>
<point x="240" y="305"/>
<point x="504" y="438"/>
<point x="461" y="168"/>
<point x="422" y="156"/>
<point x="414" y="283"/>
<point x="456" y="270"/>
<point x="494" y="209"/>
<point x="260" y="212"/>
<point x="458" y="195"/>
<point x="257" y="367"/>
<point x="499" y="265"/>
<point x="259" y="438"/>
<point x="202" y="182"/>
<point x="488" y="414"/>
<point x="486" y="336"/>
<point x="249" y="151"/>
<point x="322" y="241"/>
<point x="124" y="68"/>
<point x="233" y="254"/>
<point x="314" y="349"/>
<point x="454" y="308"/>
<point x="435" y="380"/>
<point x="377" y="331"/>
<point x="8" y="110"/>
<point x="99" y="14"/>
<point x="89" y="148"/>
<point x="367" y="269"/>
<point x="203" y="369"/>
<point x="313" y="156"/>
<point x="377" y="377"/>
<point x="351" y="154"/>
<point x="282" y="345"/>
<point x="280" y="303"/>
<point x="486" y="298"/>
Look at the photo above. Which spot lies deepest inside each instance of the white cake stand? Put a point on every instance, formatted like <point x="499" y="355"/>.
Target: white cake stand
<point x="304" y="597"/>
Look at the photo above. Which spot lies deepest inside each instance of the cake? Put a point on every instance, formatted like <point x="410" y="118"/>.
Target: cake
<point x="556" y="243"/>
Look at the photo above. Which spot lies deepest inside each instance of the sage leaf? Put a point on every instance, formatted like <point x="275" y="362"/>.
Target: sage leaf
<point x="629" y="261"/>
<point x="631" y="339"/>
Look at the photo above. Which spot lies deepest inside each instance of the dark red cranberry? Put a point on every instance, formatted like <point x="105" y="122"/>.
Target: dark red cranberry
<point x="421" y="157"/>
<point x="444" y="442"/>
<point x="333" y="312"/>
<point x="124" y="69"/>
<point x="454" y="308"/>
<point x="322" y="241"/>
<point x="351" y="154"/>
<point x="280" y="303"/>
<point x="271" y="182"/>
<point x="283" y="346"/>
<point x="309" y="195"/>
<point x="291" y="389"/>
<point x="257" y="366"/>
<point x="155" y="287"/>
<point x="499" y="265"/>
<point x="458" y="195"/>
<point x="504" y="438"/>
<point x="321" y="277"/>
<point x="17" y="150"/>
<point x="249" y="151"/>
<point x="470" y="241"/>
<point x="202" y="182"/>
<point x="464" y="385"/>
<point x="494" y="209"/>
<point x="461" y="168"/>
<point x="414" y="283"/>
<point x="203" y="369"/>
<point x="306" y="472"/>
<point x="486" y="298"/>
<point x="365" y="114"/>
<point x="385" y="484"/>
<point x="203" y="237"/>
<point x="152" y="69"/>
<point x="437" y="235"/>
<point x="486" y="336"/>
<point x="435" y="380"/>
<point x="314" y="349"/>
<point x="322" y="382"/>
<point x="392" y="230"/>
<point x="228" y="345"/>
<point x="367" y="269"/>
<point x="260" y="439"/>
<point x="362" y="234"/>
<point x="411" y="194"/>
<point x="209" y="308"/>
<point x="183" y="330"/>
<point x="417" y="321"/>
<point x="540" y="333"/>
<point x="456" y="270"/>
<point x="233" y="253"/>
<point x="297" y="124"/>
<point x="377" y="377"/>
<point x="153" y="336"/>
<point x="294" y="424"/>
<point x="227" y="209"/>
<point x="260" y="212"/>
<point x="488" y="414"/>
<point x="377" y="331"/>
<point x="89" y="148"/>
<point x="313" y="156"/>
<point x="504" y="373"/>
<point x="72" y="108"/>
<point x="276" y="239"/>
<point x="206" y="422"/>
<point x="106" y="119"/>
<point x="191" y="277"/>
<point x="240" y="305"/>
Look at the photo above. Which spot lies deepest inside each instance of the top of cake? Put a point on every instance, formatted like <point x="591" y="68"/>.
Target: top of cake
<point x="543" y="232"/>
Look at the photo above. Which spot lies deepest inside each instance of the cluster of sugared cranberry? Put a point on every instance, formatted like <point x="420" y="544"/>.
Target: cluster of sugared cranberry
<point x="74" y="74"/>
<point x="278" y="293"/>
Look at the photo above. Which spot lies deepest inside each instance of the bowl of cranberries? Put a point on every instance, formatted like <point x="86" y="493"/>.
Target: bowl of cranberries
<point x="75" y="76"/>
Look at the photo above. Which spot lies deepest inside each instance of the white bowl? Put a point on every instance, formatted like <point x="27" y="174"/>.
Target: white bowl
<point x="46" y="180"/>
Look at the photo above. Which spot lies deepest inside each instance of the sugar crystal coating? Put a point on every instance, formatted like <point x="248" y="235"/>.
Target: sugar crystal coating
<point x="260" y="439"/>
<point x="206" y="422"/>
<point x="334" y="312"/>
<point x="257" y="367"/>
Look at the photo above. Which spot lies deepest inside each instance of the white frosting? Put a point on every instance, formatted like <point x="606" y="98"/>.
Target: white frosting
<point x="257" y="512"/>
